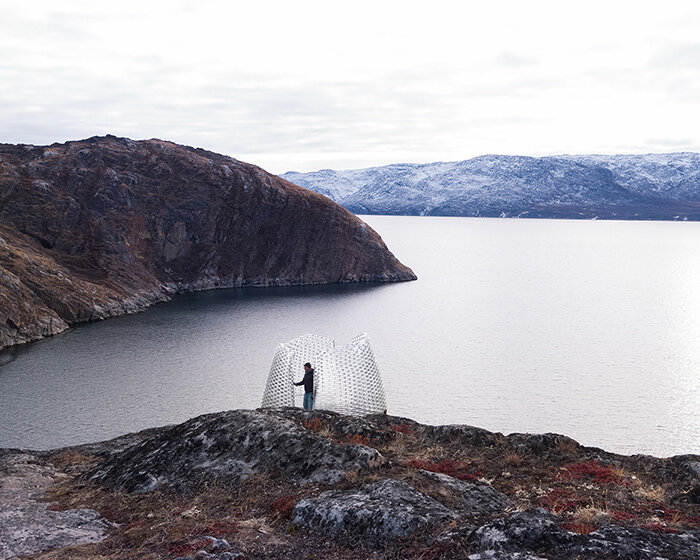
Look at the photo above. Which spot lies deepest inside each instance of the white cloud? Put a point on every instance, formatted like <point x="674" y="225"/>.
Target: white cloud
<point x="302" y="85"/>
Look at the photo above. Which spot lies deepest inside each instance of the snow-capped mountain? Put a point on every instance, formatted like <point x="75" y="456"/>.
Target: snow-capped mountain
<point x="651" y="186"/>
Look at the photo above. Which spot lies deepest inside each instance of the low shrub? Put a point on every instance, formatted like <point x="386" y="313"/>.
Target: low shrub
<point x="282" y="507"/>
<point x="603" y="474"/>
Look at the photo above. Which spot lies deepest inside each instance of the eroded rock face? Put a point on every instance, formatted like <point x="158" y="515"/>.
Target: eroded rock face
<point x="107" y="226"/>
<point x="379" y="512"/>
<point x="229" y="446"/>
<point x="27" y="526"/>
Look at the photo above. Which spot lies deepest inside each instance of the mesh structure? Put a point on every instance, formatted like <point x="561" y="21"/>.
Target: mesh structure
<point x="346" y="378"/>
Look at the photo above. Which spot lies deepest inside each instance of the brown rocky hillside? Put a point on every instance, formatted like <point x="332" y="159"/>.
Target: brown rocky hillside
<point x="106" y="226"/>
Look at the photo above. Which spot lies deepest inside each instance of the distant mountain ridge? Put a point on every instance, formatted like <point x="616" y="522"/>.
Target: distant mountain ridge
<point x="650" y="186"/>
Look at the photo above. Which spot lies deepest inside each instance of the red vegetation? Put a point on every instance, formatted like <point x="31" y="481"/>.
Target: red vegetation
<point x="455" y="469"/>
<point x="603" y="474"/>
<point x="282" y="507"/>
<point x="404" y="428"/>
<point x="659" y="528"/>
<point x="356" y="439"/>
<point x="314" y="425"/>
<point x="561" y="500"/>
<point x="677" y="518"/>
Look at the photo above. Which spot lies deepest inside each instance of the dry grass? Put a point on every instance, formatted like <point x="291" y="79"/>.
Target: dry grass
<point x="319" y="427"/>
<point x="165" y="525"/>
<point x="70" y="460"/>
<point x="650" y="492"/>
<point x="514" y="460"/>
<point x="589" y="514"/>
<point x="620" y="472"/>
<point x="351" y="477"/>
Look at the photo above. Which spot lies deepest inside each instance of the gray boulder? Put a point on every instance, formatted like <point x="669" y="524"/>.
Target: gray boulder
<point x="639" y="544"/>
<point x="462" y="434"/>
<point x="474" y="499"/>
<point x="378" y="512"/>
<point x="533" y="529"/>
<point x="229" y="446"/>
<point x="537" y="444"/>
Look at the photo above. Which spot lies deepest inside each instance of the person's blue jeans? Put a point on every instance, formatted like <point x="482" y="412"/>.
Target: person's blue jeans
<point x="308" y="401"/>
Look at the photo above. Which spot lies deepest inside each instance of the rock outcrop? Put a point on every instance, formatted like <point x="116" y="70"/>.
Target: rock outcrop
<point x="472" y="499"/>
<point x="229" y="446"/>
<point x="107" y="226"/>
<point x="27" y="524"/>
<point x="286" y="483"/>
<point x="385" y="510"/>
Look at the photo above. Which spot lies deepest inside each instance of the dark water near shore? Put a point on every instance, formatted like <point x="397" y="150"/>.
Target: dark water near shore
<point x="591" y="329"/>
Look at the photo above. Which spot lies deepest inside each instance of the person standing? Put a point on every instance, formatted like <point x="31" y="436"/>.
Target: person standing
<point x="308" y="383"/>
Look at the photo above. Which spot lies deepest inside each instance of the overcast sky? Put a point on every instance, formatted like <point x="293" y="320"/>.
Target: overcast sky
<point x="296" y="85"/>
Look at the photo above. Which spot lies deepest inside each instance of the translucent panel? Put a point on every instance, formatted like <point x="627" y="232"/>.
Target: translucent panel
<point x="287" y="364"/>
<point x="346" y="378"/>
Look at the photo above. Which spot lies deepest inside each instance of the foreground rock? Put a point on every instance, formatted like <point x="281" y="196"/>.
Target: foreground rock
<point x="107" y="226"/>
<point x="27" y="525"/>
<point x="285" y="483"/>
<point x="378" y="512"/>
<point x="472" y="499"/>
<point x="229" y="446"/>
<point x="526" y="530"/>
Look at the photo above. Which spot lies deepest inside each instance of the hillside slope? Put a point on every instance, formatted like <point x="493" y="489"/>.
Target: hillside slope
<point x="106" y="226"/>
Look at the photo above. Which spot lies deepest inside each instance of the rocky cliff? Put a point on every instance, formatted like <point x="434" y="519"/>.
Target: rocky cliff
<point x="642" y="187"/>
<point x="285" y="483"/>
<point x="107" y="226"/>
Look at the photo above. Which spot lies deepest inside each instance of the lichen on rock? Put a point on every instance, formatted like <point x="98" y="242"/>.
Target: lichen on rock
<point x="230" y="446"/>
<point x="27" y="525"/>
<point x="388" y="509"/>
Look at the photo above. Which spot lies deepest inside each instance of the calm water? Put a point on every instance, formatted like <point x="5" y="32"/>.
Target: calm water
<point x="591" y="329"/>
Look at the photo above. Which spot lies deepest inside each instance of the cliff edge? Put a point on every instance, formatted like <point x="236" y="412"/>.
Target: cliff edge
<point x="106" y="226"/>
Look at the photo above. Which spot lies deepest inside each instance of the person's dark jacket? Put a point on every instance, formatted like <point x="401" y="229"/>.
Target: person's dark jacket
<point x="308" y="381"/>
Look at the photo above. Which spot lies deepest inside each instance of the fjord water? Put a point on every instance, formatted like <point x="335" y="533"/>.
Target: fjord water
<point x="586" y="328"/>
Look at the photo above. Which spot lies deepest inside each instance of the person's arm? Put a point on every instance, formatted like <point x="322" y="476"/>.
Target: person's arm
<point x="300" y="382"/>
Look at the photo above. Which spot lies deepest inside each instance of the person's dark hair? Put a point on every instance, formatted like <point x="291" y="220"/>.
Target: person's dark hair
<point x="307" y="364"/>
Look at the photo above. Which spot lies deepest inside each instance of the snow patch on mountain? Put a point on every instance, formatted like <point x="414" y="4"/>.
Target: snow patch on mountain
<point x="650" y="186"/>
